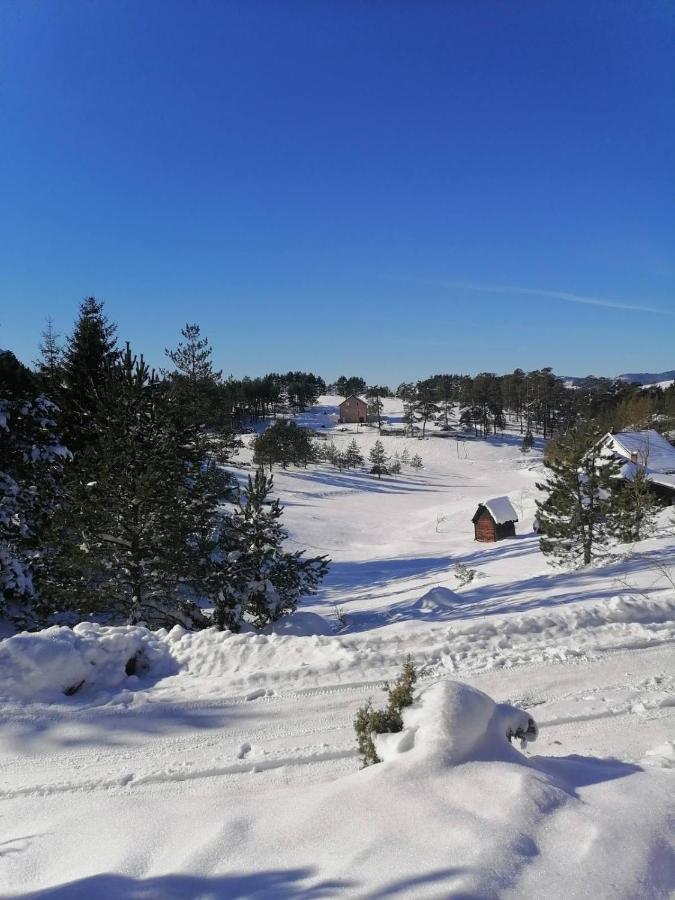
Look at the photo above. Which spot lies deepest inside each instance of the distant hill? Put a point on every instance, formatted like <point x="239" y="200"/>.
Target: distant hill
<point x="647" y="377"/>
<point x="643" y="378"/>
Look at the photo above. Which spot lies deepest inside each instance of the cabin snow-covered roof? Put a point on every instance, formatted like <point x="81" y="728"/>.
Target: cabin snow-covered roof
<point x="501" y="510"/>
<point x="652" y="449"/>
<point x="353" y="397"/>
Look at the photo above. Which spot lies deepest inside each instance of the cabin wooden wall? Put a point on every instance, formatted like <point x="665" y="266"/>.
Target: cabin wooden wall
<point x="484" y="527"/>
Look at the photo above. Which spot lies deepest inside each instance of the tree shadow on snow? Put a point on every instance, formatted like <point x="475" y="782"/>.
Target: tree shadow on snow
<point x="362" y="481"/>
<point x="115" y="726"/>
<point x="281" y="884"/>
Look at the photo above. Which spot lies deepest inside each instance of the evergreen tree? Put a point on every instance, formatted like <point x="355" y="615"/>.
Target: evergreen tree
<point x="260" y="581"/>
<point x="405" y="456"/>
<point x="194" y="383"/>
<point x="136" y="507"/>
<point x="416" y="462"/>
<point x="353" y="457"/>
<point x="378" y="459"/>
<point x="636" y="507"/>
<point x="31" y="470"/>
<point x="580" y="509"/>
<point x="426" y="407"/>
<point x="395" y="467"/>
<point x="528" y="442"/>
<point x="284" y="443"/>
<point x="89" y="351"/>
<point x="49" y="364"/>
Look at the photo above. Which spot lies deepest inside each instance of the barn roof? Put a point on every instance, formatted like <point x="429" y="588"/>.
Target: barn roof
<point x="500" y="509"/>
<point x="353" y="397"/>
<point x="652" y="449"/>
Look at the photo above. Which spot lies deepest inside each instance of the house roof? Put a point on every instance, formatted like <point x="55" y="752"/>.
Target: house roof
<point x="500" y="509"/>
<point x="353" y="397"/>
<point x="653" y="450"/>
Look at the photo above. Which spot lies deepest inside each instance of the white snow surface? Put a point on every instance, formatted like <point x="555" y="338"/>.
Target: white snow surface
<point x="226" y="765"/>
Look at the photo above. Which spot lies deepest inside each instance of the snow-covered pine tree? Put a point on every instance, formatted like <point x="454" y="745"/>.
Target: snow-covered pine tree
<point x="395" y="467"/>
<point x="136" y="505"/>
<point x="636" y="507"/>
<point x="353" y="456"/>
<point x="416" y="462"/>
<point x="405" y="456"/>
<point x="378" y="459"/>
<point x="88" y="353"/>
<point x="260" y="581"/>
<point x="580" y="509"/>
<point x="31" y="470"/>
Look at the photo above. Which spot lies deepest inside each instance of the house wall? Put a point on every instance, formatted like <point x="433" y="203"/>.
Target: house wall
<point x="484" y="528"/>
<point x="353" y="410"/>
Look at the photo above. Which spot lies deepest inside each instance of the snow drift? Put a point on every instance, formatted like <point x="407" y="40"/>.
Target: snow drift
<point x="45" y="665"/>
<point x="452" y="723"/>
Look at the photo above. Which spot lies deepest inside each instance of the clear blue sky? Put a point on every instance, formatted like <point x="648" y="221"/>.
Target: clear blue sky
<point x="389" y="189"/>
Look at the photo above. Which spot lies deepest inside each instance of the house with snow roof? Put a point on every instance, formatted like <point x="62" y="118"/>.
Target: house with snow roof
<point x="495" y="520"/>
<point x="646" y="450"/>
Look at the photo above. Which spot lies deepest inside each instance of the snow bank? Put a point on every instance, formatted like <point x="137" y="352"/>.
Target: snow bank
<point x="452" y="723"/>
<point x="48" y="664"/>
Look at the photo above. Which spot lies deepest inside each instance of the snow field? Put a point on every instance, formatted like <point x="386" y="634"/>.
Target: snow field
<point x="227" y="766"/>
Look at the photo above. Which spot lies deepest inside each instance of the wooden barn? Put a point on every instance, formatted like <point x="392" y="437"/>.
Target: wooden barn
<point x="353" y="409"/>
<point x="495" y="520"/>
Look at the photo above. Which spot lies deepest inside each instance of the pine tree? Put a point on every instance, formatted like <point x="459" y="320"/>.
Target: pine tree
<point x="136" y="507"/>
<point x="195" y="384"/>
<point x="260" y="581"/>
<point x="88" y="353"/>
<point x="580" y="509"/>
<point x="528" y="442"/>
<point x="378" y="459"/>
<point x="395" y="467"/>
<point x="353" y="455"/>
<point x="416" y="462"/>
<point x="405" y="456"/>
<point x="31" y="470"/>
<point x="425" y="407"/>
<point x="49" y="365"/>
<point x="636" y="507"/>
<point x="284" y="443"/>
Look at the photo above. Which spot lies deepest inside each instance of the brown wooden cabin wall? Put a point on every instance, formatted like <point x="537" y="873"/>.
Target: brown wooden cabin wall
<point x="484" y="528"/>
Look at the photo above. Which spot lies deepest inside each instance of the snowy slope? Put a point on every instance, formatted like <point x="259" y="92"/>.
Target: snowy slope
<point x="226" y="766"/>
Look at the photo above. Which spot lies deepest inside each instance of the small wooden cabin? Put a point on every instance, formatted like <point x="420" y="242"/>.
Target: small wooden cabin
<point x="495" y="520"/>
<point x="353" y="409"/>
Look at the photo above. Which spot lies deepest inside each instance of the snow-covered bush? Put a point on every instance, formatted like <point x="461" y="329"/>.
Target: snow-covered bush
<point x="452" y="723"/>
<point x="464" y="574"/>
<point x="370" y="722"/>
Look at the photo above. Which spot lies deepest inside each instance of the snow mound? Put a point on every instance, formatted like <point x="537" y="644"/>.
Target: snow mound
<point x="436" y="603"/>
<point x="453" y="723"/>
<point x="662" y="756"/>
<point x="303" y="624"/>
<point x="48" y="664"/>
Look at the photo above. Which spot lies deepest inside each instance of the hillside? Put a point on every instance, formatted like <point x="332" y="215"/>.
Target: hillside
<point x="229" y="767"/>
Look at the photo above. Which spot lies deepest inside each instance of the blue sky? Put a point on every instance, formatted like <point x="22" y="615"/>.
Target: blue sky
<point x="389" y="189"/>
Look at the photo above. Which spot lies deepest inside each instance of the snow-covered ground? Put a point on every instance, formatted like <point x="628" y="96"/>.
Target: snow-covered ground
<point x="227" y="767"/>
